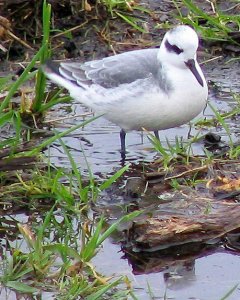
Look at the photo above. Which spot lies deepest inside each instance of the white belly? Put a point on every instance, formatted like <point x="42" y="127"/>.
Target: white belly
<point x="156" y="111"/>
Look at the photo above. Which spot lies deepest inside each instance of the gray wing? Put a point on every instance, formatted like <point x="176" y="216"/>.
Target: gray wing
<point x="114" y="70"/>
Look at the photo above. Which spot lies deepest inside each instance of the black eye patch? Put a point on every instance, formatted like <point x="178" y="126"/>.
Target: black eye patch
<point x="173" y="48"/>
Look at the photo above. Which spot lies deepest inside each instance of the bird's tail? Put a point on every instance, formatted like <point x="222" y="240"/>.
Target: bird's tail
<point x="52" y="71"/>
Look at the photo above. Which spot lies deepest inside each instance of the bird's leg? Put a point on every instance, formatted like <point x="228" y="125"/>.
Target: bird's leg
<point x="123" y="145"/>
<point x="189" y="131"/>
<point x="156" y="134"/>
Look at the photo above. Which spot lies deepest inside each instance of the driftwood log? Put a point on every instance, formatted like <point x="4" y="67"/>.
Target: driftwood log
<point x="183" y="215"/>
<point x="212" y="219"/>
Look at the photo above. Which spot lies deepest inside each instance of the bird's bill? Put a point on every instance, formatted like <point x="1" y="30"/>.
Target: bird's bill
<point x="192" y="67"/>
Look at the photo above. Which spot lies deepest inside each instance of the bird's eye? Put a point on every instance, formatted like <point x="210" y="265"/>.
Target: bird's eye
<point x="173" y="48"/>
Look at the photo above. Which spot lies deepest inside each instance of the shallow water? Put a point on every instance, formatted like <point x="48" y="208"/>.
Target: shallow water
<point x="207" y="278"/>
<point x="101" y="144"/>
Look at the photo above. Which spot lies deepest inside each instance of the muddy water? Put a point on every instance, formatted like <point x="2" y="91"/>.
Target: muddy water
<point x="210" y="274"/>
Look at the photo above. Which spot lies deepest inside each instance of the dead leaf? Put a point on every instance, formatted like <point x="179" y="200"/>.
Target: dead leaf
<point x="224" y="184"/>
<point x="87" y="6"/>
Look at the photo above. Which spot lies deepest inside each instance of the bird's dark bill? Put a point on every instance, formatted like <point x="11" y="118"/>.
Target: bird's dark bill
<point x="192" y="67"/>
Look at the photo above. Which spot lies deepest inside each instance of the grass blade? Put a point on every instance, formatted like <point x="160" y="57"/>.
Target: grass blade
<point x="59" y="135"/>
<point x="229" y="293"/>
<point x="24" y="76"/>
<point x="21" y="287"/>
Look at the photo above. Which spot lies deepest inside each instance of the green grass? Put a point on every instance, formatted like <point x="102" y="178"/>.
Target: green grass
<point x="214" y="25"/>
<point x="55" y="265"/>
<point x="173" y="151"/>
<point x="55" y="250"/>
<point x="117" y="4"/>
<point x="123" y="9"/>
<point x="40" y="86"/>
